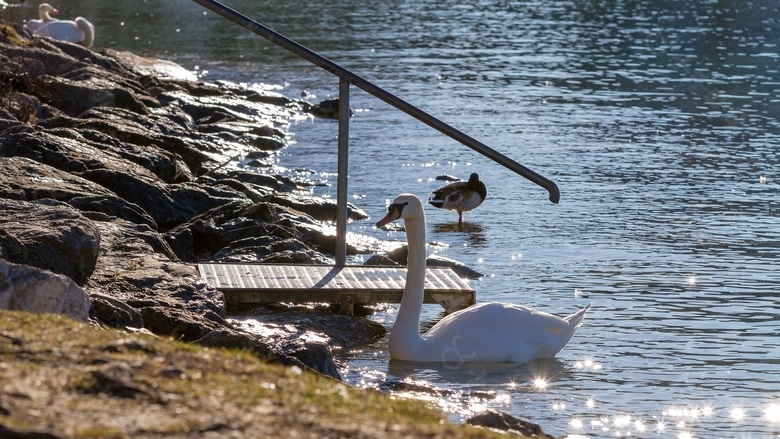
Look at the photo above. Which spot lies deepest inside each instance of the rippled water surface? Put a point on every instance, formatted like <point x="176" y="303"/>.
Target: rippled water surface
<point x="658" y="120"/>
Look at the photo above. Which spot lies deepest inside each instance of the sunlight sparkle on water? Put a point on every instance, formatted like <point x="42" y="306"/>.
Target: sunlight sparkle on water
<point x="772" y="412"/>
<point x="588" y="364"/>
<point x="691" y="280"/>
<point x="687" y="412"/>
<point x="737" y="414"/>
<point x="622" y="421"/>
<point x="540" y="383"/>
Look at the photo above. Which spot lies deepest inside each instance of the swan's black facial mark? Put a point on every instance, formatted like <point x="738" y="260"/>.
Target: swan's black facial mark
<point x="393" y="213"/>
<point x="396" y="206"/>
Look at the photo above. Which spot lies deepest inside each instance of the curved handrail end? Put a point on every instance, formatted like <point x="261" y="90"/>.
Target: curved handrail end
<point x="555" y="193"/>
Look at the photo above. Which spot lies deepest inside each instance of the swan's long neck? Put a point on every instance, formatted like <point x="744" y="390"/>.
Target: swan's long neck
<point x="405" y="335"/>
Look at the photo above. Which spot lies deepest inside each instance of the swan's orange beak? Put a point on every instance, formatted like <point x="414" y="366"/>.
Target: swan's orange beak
<point x="392" y="215"/>
<point x="55" y="12"/>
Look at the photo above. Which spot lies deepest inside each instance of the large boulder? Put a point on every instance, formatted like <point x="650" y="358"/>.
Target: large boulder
<point x="25" y="288"/>
<point x="50" y="235"/>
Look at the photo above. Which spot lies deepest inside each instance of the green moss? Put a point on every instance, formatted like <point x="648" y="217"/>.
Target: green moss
<point x="99" y="433"/>
<point x="10" y="32"/>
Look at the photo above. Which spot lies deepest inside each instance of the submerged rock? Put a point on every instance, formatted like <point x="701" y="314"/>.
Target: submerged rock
<point x="506" y="422"/>
<point x="327" y="109"/>
<point x="399" y="255"/>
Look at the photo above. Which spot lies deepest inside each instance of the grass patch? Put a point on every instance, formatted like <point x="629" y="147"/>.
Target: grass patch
<point x="86" y="382"/>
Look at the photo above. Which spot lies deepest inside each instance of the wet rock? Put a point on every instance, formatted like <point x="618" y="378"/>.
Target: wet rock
<point x="506" y="422"/>
<point x="158" y="68"/>
<point x="25" y="288"/>
<point x="328" y="109"/>
<point x="315" y="355"/>
<point x="461" y="269"/>
<point x="317" y="324"/>
<point x="268" y="250"/>
<point x="230" y="338"/>
<point x="399" y="256"/>
<point x="318" y="208"/>
<point x="380" y="261"/>
<point x="447" y="177"/>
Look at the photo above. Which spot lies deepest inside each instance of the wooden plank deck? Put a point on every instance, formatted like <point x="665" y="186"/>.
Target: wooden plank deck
<point x="246" y="285"/>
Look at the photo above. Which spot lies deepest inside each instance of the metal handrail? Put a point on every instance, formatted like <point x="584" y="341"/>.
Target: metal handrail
<point x="345" y="79"/>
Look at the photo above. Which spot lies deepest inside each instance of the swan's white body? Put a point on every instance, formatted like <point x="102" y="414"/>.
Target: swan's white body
<point x="44" y="9"/>
<point x="78" y="31"/>
<point x="488" y="332"/>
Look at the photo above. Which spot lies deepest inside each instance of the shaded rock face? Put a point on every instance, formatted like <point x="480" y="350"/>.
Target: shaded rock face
<point x="25" y="288"/>
<point x="49" y="234"/>
<point x="120" y="179"/>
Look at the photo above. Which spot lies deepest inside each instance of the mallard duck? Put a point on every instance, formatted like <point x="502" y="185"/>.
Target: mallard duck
<point x="487" y="332"/>
<point x="460" y="196"/>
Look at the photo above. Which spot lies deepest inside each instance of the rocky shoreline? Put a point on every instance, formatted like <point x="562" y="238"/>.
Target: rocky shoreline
<point x="119" y="173"/>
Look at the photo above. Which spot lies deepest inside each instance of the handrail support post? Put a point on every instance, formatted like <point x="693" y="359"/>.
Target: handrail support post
<point x="343" y="170"/>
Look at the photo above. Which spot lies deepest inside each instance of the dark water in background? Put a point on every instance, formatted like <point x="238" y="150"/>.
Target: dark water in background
<point x="658" y="120"/>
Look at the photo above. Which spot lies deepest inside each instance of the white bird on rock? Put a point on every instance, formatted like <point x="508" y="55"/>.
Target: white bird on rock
<point x="460" y="196"/>
<point x="487" y="332"/>
<point x="79" y="31"/>
<point x="44" y="9"/>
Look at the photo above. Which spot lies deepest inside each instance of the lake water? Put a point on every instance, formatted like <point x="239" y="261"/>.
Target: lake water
<point x="658" y="120"/>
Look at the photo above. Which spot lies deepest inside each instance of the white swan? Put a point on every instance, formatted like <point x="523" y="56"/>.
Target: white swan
<point x="487" y="332"/>
<point x="78" y="31"/>
<point x="44" y="9"/>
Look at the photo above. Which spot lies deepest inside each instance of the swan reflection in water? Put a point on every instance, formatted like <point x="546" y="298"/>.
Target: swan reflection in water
<point x="480" y="385"/>
<point x="513" y="376"/>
